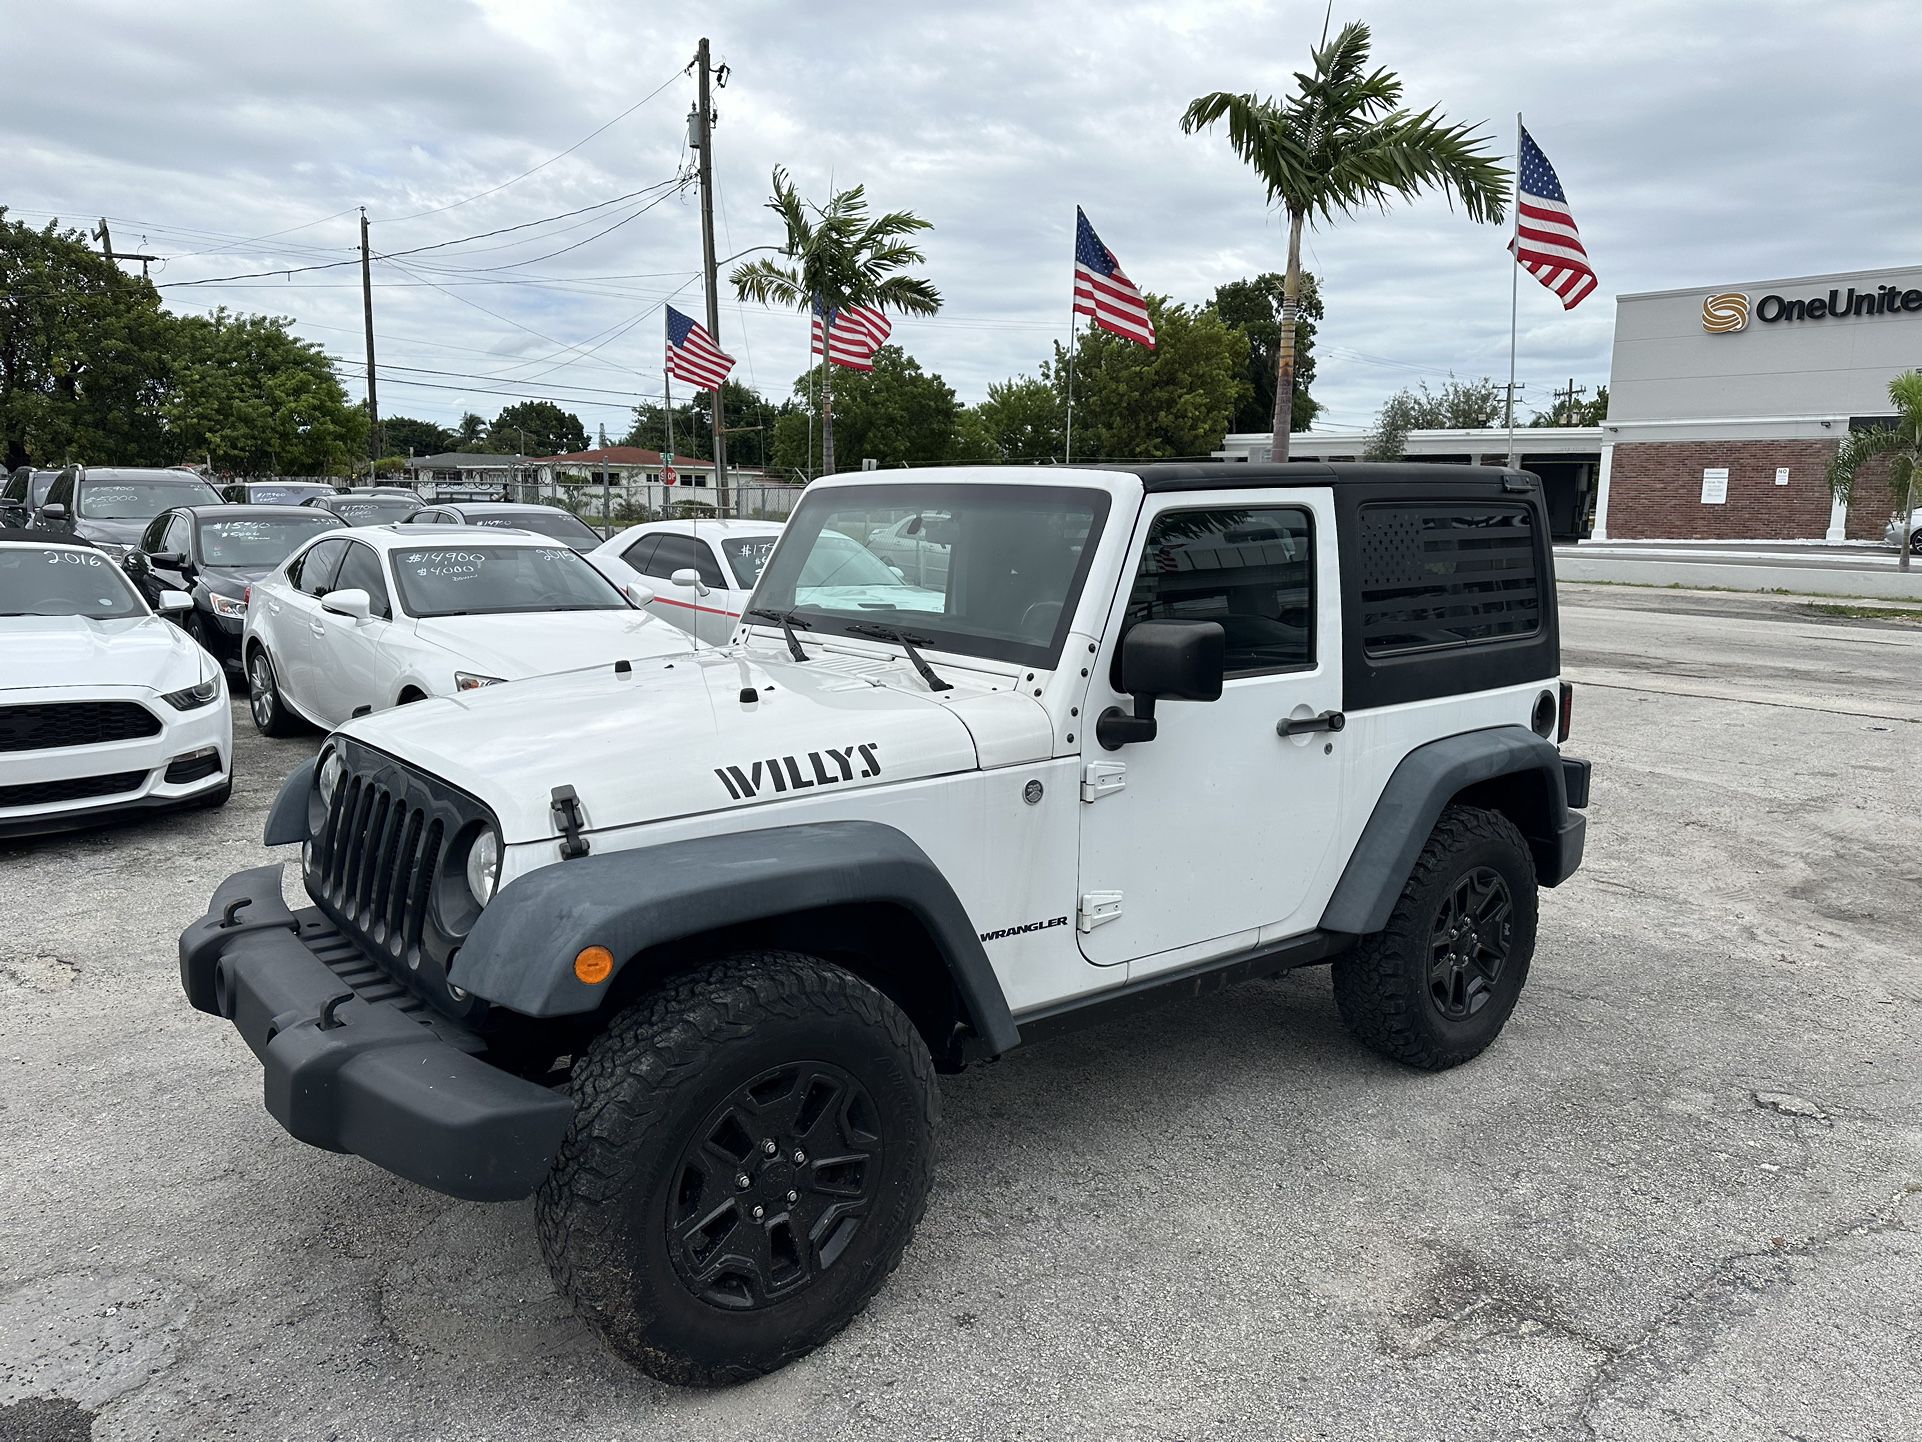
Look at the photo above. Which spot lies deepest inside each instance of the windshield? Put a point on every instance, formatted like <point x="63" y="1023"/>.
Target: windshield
<point x="275" y="495"/>
<point x="372" y="510"/>
<point x="1001" y="581"/>
<point x="558" y="524"/>
<point x="63" y="581"/>
<point x="746" y="555"/>
<point x="260" y="544"/>
<point x="140" y="500"/>
<point x="483" y="580"/>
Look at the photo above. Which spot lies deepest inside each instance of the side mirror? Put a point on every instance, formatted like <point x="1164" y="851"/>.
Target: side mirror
<point x="689" y="577"/>
<point x="639" y="595"/>
<point x="54" y="511"/>
<point x="1166" y="661"/>
<point x="172" y="560"/>
<point x="175" y="601"/>
<point x="353" y="603"/>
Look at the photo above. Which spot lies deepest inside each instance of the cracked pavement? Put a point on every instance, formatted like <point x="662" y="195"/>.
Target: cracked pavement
<point x="1677" y="1200"/>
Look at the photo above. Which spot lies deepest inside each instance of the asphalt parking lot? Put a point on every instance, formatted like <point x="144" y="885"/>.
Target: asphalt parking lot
<point x="1681" y="1197"/>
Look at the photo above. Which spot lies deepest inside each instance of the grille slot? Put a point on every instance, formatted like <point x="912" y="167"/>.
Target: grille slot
<point x="50" y="724"/>
<point x="74" y="788"/>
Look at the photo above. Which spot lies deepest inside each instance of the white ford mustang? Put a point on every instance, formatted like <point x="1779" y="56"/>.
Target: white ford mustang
<point x="359" y="620"/>
<point x="105" y="709"/>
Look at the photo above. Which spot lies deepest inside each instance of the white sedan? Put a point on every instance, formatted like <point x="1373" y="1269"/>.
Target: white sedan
<point x="363" y="619"/>
<point x="701" y="572"/>
<point x="105" y="709"/>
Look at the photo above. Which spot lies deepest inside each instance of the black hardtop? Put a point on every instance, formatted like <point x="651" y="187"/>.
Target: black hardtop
<point x="45" y="538"/>
<point x="1220" y="475"/>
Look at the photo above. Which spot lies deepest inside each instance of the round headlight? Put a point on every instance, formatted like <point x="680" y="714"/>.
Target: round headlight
<point x="329" y="779"/>
<point x="484" y="866"/>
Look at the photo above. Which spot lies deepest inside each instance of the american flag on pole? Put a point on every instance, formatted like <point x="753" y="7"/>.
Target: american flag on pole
<point x="1546" y="243"/>
<point x="854" y="334"/>
<point x="692" y="355"/>
<point x="1102" y="291"/>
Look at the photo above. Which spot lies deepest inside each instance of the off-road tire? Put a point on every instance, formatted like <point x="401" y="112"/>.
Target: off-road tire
<point x="274" y="719"/>
<point x="1382" y="987"/>
<point x="645" y="1091"/>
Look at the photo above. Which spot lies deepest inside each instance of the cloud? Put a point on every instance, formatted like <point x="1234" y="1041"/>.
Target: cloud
<point x="1699" y="144"/>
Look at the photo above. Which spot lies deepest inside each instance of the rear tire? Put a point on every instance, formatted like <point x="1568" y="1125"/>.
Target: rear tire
<point x="1434" y="987"/>
<point x="1915" y="544"/>
<point x="752" y="1150"/>
<point x="264" y="703"/>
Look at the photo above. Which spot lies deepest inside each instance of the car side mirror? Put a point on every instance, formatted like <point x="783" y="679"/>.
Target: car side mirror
<point x="54" y="511"/>
<point x="689" y="577"/>
<point x="172" y="560"/>
<point x="1163" y="661"/>
<point x="639" y="595"/>
<point x="175" y="601"/>
<point x="353" y="603"/>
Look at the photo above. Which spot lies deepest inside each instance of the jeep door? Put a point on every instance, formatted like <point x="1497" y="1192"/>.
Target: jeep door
<point x="1216" y="834"/>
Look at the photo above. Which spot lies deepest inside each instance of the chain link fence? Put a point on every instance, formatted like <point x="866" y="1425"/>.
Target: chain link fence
<point x="628" y="505"/>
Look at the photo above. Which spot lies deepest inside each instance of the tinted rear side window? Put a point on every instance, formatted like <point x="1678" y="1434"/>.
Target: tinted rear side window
<point x="1447" y="574"/>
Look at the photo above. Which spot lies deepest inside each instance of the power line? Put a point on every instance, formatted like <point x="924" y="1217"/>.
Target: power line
<point x="455" y="204"/>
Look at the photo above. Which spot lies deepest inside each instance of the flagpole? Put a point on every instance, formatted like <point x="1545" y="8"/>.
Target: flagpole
<point x="1067" y="444"/>
<point x="667" y="412"/>
<point x="1514" y="285"/>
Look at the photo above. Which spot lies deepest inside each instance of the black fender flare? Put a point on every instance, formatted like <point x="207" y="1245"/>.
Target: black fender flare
<point x="287" y="818"/>
<point x="520" y="954"/>
<point x="1427" y="779"/>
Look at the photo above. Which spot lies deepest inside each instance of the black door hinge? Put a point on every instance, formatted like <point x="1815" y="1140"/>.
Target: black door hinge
<point x="568" y="820"/>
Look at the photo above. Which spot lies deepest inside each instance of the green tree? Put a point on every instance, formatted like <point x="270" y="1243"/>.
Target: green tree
<point x="1022" y="419"/>
<point x="836" y="256"/>
<point x="1341" y="143"/>
<point x="84" y="354"/>
<point x="537" y="428"/>
<point x="1457" y="406"/>
<point x="1253" y="307"/>
<point x="471" y="434"/>
<point x="1591" y="411"/>
<point x="403" y="435"/>
<point x="895" y="415"/>
<point x="259" y="400"/>
<point x="1900" y="445"/>
<point x="1132" y="403"/>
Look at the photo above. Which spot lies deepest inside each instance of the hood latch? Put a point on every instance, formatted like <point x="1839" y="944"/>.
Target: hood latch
<point x="569" y="821"/>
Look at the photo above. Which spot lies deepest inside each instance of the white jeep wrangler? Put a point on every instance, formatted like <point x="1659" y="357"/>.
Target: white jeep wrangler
<point x="679" y="944"/>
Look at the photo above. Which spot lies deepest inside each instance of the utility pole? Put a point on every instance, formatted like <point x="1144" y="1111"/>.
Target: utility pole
<point x="701" y="138"/>
<point x="1568" y="398"/>
<point x="106" y="249"/>
<point x="367" y="309"/>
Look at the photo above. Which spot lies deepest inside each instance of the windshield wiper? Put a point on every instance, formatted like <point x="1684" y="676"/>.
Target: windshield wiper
<point x="906" y="643"/>
<point x="787" y="621"/>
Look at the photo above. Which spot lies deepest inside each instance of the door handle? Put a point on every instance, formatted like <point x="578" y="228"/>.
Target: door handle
<point x="317" y="628"/>
<point x="1327" y="721"/>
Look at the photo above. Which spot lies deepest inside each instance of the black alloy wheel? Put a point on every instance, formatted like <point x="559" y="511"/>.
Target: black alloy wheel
<point x="774" y="1185"/>
<point x="1468" y="946"/>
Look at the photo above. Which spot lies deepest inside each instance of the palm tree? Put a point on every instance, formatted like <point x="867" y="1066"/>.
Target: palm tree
<point x="1902" y="444"/>
<point x="837" y="254"/>
<point x="1340" y="143"/>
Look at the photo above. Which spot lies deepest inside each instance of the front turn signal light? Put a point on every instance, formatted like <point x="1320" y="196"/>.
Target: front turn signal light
<point x="594" y="964"/>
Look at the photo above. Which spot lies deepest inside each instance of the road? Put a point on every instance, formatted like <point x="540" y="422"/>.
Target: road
<point x="1677" y="1200"/>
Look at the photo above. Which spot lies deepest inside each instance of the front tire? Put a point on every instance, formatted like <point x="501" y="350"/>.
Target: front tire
<point x="270" y="713"/>
<point x="1434" y="987"/>
<point x="751" y="1151"/>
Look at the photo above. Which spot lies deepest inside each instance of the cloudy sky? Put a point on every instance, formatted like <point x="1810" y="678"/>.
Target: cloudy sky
<point x="1699" y="143"/>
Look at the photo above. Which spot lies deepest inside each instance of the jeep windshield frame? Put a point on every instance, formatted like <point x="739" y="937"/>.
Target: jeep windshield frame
<point x="1004" y="588"/>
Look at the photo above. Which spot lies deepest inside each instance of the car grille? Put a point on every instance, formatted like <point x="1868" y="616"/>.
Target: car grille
<point x="379" y="866"/>
<point x="49" y="724"/>
<point x="74" y="788"/>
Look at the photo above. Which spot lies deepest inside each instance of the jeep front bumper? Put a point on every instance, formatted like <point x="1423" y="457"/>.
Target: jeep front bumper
<point x="352" y="1062"/>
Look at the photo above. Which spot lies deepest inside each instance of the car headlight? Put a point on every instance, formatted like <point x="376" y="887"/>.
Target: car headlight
<point x="328" y="779"/>
<point x="194" y="697"/>
<point x="470" y="681"/>
<point x="234" y="608"/>
<point x="113" y="548"/>
<point x="484" y="865"/>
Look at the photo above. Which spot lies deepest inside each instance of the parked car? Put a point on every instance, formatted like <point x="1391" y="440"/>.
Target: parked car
<point x="1894" y="537"/>
<point x="105" y="709"/>
<point x="211" y="555"/>
<point x="551" y="521"/>
<point x="111" y="506"/>
<point x="276" y="493"/>
<point x="25" y="489"/>
<point x="405" y="493"/>
<point x="362" y="508"/>
<point x="701" y="572"/>
<point x="359" y="620"/>
<point x="917" y="546"/>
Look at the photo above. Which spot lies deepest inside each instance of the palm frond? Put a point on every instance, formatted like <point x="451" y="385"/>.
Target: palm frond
<point x="767" y="283"/>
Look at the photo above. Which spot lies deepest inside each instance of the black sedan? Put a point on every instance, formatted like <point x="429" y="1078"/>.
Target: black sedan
<point x="213" y="554"/>
<point x="551" y="521"/>
<point x="360" y="508"/>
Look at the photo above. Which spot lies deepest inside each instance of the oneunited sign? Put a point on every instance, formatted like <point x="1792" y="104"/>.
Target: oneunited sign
<point x="1729" y="311"/>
